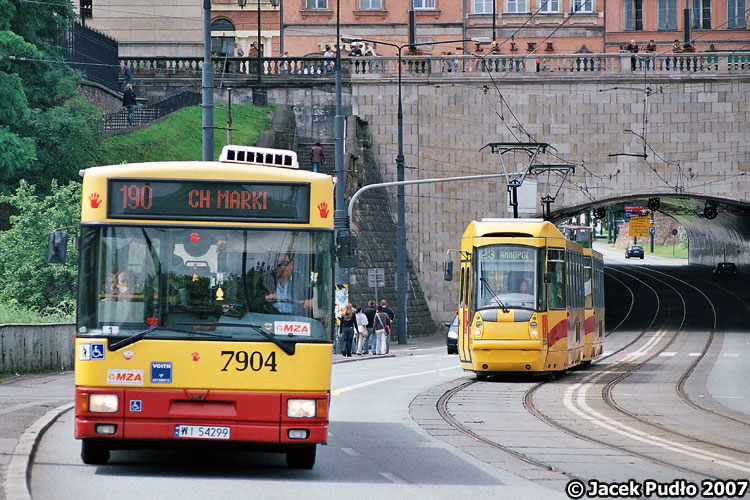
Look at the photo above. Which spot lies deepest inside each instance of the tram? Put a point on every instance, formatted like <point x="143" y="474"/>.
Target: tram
<point x="593" y="284"/>
<point x="523" y="296"/>
<point x="205" y="306"/>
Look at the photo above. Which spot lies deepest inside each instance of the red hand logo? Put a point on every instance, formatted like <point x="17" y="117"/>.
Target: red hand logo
<point x="323" y="208"/>
<point x="195" y="237"/>
<point x="196" y="356"/>
<point x="95" y="200"/>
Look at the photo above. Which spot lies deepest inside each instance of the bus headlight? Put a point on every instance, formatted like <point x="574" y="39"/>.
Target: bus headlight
<point x="300" y="408"/>
<point x="103" y="403"/>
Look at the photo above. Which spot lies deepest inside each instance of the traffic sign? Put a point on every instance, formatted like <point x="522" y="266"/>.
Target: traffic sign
<point x="652" y="230"/>
<point x="376" y="277"/>
<point x="639" y="225"/>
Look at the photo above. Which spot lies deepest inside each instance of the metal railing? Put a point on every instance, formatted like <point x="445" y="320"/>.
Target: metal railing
<point x="146" y="114"/>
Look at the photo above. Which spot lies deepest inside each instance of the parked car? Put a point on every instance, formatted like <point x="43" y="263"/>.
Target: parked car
<point x="725" y="271"/>
<point x="451" y="336"/>
<point x="634" y="251"/>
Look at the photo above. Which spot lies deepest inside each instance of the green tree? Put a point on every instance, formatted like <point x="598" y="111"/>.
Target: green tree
<point x="47" y="131"/>
<point x="25" y="278"/>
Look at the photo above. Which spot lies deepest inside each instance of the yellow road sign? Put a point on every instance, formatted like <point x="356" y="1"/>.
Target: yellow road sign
<point x="639" y="225"/>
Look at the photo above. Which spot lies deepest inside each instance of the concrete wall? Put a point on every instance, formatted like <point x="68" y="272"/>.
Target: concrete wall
<point x="26" y="348"/>
<point x="701" y="126"/>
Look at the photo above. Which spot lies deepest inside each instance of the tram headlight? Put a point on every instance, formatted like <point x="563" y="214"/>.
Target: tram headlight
<point x="103" y="403"/>
<point x="297" y="408"/>
<point x="534" y="334"/>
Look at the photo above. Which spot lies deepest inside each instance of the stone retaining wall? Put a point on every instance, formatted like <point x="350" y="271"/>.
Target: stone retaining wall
<point x="35" y="348"/>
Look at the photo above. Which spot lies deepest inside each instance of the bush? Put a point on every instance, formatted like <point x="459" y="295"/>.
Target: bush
<point x="26" y="280"/>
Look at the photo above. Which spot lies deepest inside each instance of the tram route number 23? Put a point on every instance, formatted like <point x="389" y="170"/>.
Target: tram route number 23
<point x="242" y="360"/>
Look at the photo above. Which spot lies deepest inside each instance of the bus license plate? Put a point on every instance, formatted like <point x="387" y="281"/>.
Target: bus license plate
<point x="201" y="432"/>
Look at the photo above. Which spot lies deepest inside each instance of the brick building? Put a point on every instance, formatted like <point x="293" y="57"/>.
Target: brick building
<point x="303" y="27"/>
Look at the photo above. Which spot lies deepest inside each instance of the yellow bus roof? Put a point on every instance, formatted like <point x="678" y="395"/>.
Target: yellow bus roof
<point x="203" y="170"/>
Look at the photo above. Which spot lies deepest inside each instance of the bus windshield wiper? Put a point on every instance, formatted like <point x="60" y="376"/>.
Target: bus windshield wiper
<point x="138" y="336"/>
<point x="288" y="348"/>
<point x="494" y="295"/>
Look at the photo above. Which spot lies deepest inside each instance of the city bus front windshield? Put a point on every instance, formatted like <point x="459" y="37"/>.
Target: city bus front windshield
<point x="177" y="283"/>
<point x="509" y="276"/>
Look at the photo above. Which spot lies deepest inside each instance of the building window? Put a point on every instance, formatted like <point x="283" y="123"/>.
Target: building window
<point x="370" y="5"/>
<point x="702" y="14"/>
<point x="424" y="4"/>
<point x="516" y="7"/>
<point x="633" y="15"/>
<point x="667" y="14"/>
<point x="316" y="4"/>
<point x="583" y="6"/>
<point x="736" y="15"/>
<point x="222" y="44"/>
<point x="549" y="6"/>
<point x="86" y="7"/>
<point x="483" y="6"/>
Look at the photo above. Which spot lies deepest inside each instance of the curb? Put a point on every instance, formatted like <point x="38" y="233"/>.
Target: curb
<point x="17" y="476"/>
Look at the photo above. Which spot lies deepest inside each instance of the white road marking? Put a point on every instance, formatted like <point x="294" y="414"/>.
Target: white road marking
<point x="731" y="355"/>
<point x="386" y="379"/>
<point x="393" y="478"/>
<point x="667" y="354"/>
<point x="574" y="400"/>
<point x="694" y="354"/>
<point x="350" y="452"/>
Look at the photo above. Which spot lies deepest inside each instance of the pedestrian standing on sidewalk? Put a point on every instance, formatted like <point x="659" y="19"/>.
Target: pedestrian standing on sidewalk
<point x="382" y="324"/>
<point x="372" y="339"/>
<point x="346" y="328"/>
<point x="391" y="316"/>
<point x="362" y="333"/>
<point x="317" y="157"/>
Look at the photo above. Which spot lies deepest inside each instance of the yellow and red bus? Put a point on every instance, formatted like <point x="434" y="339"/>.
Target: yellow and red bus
<point x="521" y="298"/>
<point x="205" y="306"/>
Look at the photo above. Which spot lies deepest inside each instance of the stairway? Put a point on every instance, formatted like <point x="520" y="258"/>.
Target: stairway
<point x="303" y="156"/>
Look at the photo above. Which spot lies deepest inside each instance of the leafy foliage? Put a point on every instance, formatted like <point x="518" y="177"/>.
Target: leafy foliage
<point x="25" y="278"/>
<point x="46" y="130"/>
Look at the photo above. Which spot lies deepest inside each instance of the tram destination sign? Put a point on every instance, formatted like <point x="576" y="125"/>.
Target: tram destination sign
<point x="208" y="200"/>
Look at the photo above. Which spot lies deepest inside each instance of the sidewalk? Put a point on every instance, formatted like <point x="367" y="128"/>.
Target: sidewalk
<point x="31" y="403"/>
<point x="412" y="344"/>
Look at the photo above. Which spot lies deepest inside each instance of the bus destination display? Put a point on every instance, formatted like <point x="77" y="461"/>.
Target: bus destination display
<point x="208" y="200"/>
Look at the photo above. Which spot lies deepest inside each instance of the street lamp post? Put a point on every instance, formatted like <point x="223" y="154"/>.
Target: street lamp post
<point x="207" y="87"/>
<point x="259" y="97"/>
<point x="401" y="279"/>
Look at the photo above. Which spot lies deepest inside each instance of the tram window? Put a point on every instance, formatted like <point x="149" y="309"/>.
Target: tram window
<point x="462" y="288"/>
<point x="556" y="270"/>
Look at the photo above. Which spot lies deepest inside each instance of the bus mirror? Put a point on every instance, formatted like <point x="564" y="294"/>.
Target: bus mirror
<point x="547" y="278"/>
<point x="346" y="250"/>
<point x="57" y="248"/>
<point x="448" y="270"/>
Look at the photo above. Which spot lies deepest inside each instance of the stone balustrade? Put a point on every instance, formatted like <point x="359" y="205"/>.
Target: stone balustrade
<point x="316" y="67"/>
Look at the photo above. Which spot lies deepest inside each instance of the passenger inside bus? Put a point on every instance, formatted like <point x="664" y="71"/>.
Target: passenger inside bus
<point x="286" y="290"/>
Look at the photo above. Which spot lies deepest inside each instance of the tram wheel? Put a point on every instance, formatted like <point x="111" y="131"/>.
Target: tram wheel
<point x="301" y="457"/>
<point x="94" y="452"/>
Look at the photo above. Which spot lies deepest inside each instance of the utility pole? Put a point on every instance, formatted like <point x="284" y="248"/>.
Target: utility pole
<point x="229" y="118"/>
<point x="207" y="86"/>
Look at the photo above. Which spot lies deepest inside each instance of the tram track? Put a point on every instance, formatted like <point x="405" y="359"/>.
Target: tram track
<point x="664" y="339"/>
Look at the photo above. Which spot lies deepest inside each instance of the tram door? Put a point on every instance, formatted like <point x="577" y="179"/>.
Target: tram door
<point x="465" y="308"/>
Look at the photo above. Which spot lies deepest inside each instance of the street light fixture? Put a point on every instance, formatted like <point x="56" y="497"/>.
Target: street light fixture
<point x="261" y="101"/>
<point x="401" y="227"/>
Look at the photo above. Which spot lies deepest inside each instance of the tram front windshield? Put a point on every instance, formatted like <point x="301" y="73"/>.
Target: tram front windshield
<point x="510" y="276"/>
<point x="177" y="283"/>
